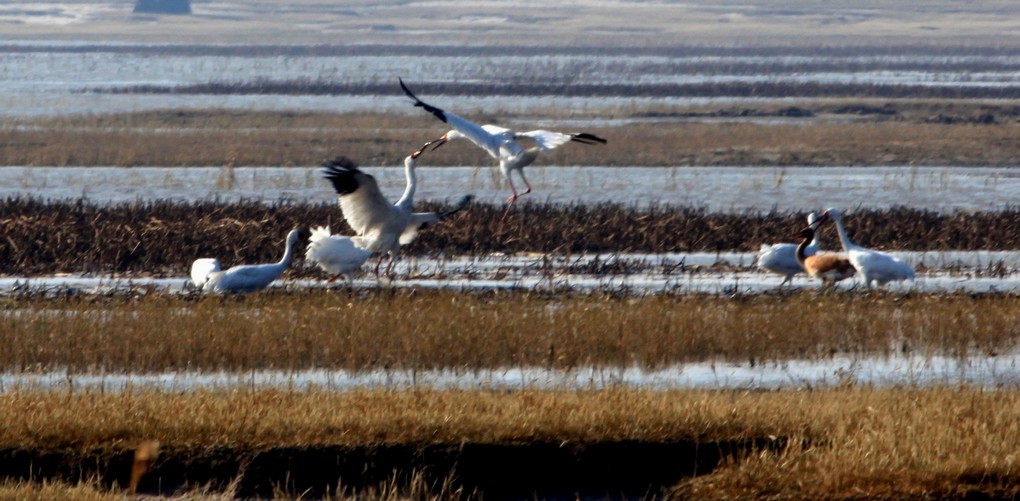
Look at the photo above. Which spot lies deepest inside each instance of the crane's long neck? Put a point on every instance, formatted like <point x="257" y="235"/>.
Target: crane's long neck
<point x="802" y="249"/>
<point x="407" y="199"/>
<point x="843" y="238"/>
<point x="288" y="253"/>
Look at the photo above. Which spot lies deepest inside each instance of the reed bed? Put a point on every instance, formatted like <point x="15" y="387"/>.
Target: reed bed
<point x="162" y="238"/>
<point x="407" y="330"/>
<point x="845" y="132"/>
<point x="836" y="443"/>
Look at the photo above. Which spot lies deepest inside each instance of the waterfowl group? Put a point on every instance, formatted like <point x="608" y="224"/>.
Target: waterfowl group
<point x="875" y="268"/>
<point x="380" y="228"/>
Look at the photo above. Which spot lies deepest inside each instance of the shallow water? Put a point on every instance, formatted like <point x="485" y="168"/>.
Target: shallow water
<point x="49" y="80"/>
<point x="708" y="273"/>
<point x="914" y="371"/>
<point x="717" y="189"/>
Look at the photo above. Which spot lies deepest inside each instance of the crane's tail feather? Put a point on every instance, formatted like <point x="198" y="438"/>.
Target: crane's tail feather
<point x="440" y="114"/>
<point x="586" y="138"/>
<point x="463" y="204"/>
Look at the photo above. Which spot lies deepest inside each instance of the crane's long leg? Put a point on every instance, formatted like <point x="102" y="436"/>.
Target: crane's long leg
<point x="510" y="203"/>
<point x="526" y="183"/>
<point x="513" y="198"/>
<point x="389" y="268"/>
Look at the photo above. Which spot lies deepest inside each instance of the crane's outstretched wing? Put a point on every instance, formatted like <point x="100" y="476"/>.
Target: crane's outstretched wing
<point x="547" y="139"/>
<point x="361" y="202"/>
<point x="481" y="136"/>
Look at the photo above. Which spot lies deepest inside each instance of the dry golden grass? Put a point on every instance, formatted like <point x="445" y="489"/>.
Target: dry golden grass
<point x="47" y="491"/>
<point x="840" y="443"/>
<point x="188" y="138"/>
<point x="419" y="329"/>
<point x="882" y="443"/>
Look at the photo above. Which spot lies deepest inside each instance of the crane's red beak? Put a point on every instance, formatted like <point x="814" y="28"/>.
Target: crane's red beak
<point x="438" y="142"/>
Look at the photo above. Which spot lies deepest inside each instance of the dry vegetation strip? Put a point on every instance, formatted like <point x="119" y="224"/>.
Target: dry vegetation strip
<point x="839" y="443"/>
<point x="839" y="133"/>
<point x="406" y="330"/>
<point x="162" y="238"/>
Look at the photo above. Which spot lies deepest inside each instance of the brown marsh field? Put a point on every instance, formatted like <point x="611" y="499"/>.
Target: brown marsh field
<point x="839" y="441"/>
<point x="618" y="441"/>
<point x="832" y="131"/>
<point x="160" y="239"/>
<point x="852" y="440"/>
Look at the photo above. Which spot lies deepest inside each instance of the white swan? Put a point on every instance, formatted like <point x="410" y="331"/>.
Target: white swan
<point x="251" y="277"/>
<point x="782" y="258"/>
<point x="201" y="268"/>
<point x="875" y="267"/>
<point x="336" y="254"/>
<point x="383" y="227"/>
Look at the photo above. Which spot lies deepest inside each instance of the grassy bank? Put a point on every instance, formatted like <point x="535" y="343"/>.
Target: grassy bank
<point x="836" y="132"/>
<point x="390" y="329"/>
<point x="850" y="442"/>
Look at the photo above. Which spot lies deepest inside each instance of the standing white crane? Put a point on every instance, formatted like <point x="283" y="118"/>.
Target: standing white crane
<point x="383" y="227"/>
<point x="782" y="258"/>
<point x="336" y="254"/>
<point x="501" y="143"/>
<point x="251" y="277"/>
<point x="875" y="267"/>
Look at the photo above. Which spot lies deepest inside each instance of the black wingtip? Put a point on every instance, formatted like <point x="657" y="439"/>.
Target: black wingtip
<point x="440" y="114"/>
<point x="341" y="172"/>
<point x="586" y="138"/>
<point x="406" y="90"/>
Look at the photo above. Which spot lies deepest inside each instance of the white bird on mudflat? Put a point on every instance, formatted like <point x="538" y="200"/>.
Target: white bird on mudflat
<point x="337" y="255"/>
<point x="782" y="258"/>
<point x="875" y="267"/>
<point x="251" y="277"/>
<point x="501" y="143"/>
<point x="201" y="268"/>
<point x="383" y="227"/>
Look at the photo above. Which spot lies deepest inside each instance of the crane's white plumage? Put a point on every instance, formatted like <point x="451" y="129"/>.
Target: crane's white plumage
<point x="251" y="277"/>
<point x="383" y="227"/>
<point x="336" y="254"/>
<point x="502" y="143"/>
<point x="201" y="268"/>
<point x="782" y="258"/>
<point x="875" y="267"/>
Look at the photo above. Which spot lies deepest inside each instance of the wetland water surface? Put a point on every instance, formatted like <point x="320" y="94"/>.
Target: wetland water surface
<point x="717" y="189"/>
<point x="991" y="372"/>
